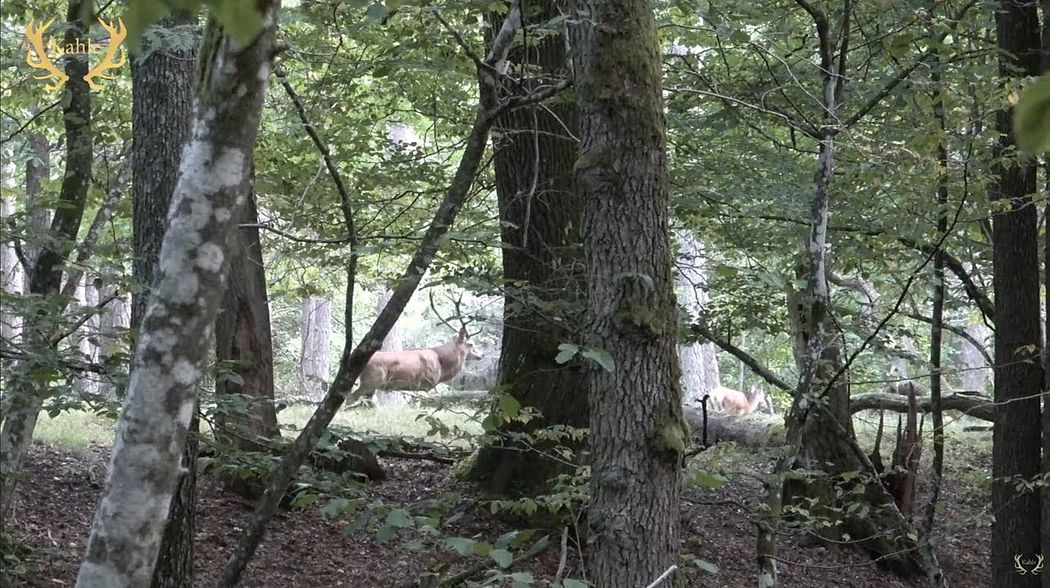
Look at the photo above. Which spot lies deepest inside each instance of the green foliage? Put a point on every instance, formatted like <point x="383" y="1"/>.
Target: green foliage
<point x="241" y="20"/>
<point x="1032" y="117"/>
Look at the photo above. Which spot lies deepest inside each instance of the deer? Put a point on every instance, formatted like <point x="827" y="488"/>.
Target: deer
<point x="735" y="401"/>
<point x="418" y="370"/>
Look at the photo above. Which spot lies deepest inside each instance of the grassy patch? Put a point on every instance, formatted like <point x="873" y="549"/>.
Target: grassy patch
<point x="392" y="420"/>
<point x="75" y="430"/>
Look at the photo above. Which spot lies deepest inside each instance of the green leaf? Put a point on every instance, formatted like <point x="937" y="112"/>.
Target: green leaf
<point x="601" y="356"/>
<point x="378" y="12"/>
<point x="501" y="557"/>
<point x="706" y="480"/>
<point x="566" y="351"/>
<point x="386" y="533"/>
<point x="1032" y="117"/>
<point x="509" y="406"/>
<point x="461" y="545"/>
<point x="240" y="19"/>
<point x="706" y="566"/>
<point x="139" y="15"/>
<point x="399" y="519"/>
<point x="335" y="507"/>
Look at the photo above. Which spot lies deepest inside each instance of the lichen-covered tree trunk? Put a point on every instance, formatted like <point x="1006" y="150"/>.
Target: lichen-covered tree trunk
<point x="1018" y="375"/>
<point x="540" y="219"/>
<point x="46" y="269"/>
<point x="162" y="103"/>
<point x="242" y="336"/>
<point x="212" y="185"/>
<point x="638" y="435"/>
<point x="315" y="329"/>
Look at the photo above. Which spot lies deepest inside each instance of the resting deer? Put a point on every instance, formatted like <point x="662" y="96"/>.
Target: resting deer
<point x="417" y="369"/>
<point x="735" y="401"/>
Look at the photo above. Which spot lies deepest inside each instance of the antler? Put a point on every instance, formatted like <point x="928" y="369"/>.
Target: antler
<point x="1017" y="565"/>
<point x="42" y="61"/>
<point x="1039" y="565"/>
<point x="456" y="303"/>
<point x="116" y="36"/>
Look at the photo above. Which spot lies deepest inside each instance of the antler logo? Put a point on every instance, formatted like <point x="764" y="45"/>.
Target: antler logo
<point x="38" y="58"/>
<point x="1028" y="565"/>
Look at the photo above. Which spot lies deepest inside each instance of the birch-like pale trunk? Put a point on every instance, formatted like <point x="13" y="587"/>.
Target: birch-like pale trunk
<point x="162" y="390"/>
<point x="87" y="336"/>
<point x="10" y="269"/>
<point x="392" y="342"/>
<point x="700" y="372"/>
<point x="315" y="327"/>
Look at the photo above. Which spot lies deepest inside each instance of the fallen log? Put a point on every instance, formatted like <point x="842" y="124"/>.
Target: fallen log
<point x="752" y="430"/>
<point x="977" y="406"/>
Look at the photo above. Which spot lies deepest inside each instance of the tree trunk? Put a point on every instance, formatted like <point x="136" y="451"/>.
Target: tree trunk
<point x="638" y="433"/>
<point x="45" y="275"/>
<point x="10" y="270"/>
<point x="1018" y="380"/>
<point x="392" y="342"/>
<point x="316" y="331"/>
<point x="1045" y="493"/>
<point x="700" y="373"/>
<point x="540" y="215"/>
<point x="38" y="216"/>
<point x="976" y="373"/>
<point x="242" y="337"/>
<point x="87" y="383"/>
<point x="113" y="329"/>
<point x="213" y="182"/>
<point x="162" y="100"/>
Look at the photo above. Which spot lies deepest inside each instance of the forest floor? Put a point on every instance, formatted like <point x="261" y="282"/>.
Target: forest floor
<point x="306" y="549"/>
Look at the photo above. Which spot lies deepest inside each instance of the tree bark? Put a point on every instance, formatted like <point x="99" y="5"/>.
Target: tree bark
<point x="540" y="215"/>
<point x="1018" y="379"/>
<point x="638" y="433"/>
<point x="45" y="273"/>
<point x="700" y="373"/>
<point x="315" y="327"/>
<point x="242" y="337"/>
<point x="392" y="342"/>
<point x="213" y="182"/>
<point x="162" y="101"/>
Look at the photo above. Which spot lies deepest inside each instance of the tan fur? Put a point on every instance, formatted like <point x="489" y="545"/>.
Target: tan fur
<point x="735" y="401"/>
<point x="416" y="369"/>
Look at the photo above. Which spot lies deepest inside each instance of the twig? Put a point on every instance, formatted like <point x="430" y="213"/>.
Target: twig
<point x="662" y="577"/>
<point x="564" y="553"/>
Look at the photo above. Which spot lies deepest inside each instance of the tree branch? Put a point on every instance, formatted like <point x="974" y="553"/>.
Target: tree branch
<point x="759" y="370"/>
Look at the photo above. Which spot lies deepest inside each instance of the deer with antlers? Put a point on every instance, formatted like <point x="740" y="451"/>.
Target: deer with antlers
<point x="419" y="369"/>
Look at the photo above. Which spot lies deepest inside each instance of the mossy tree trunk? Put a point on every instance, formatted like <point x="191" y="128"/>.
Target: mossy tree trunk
<point x="638" y="435"/>
<point x="540" y="218"/>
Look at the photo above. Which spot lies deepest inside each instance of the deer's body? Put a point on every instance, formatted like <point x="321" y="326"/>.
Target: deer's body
<point x="735" y="401"/>
<point x="416" y="369"/>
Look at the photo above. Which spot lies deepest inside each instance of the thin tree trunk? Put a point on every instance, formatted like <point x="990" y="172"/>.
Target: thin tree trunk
<point x="540" y="215"/>
<point x="10" y="270"/>
<point x="45" y="275"/>
<point x="936" y="574"/>
<point x="392" y="342"/>
<point x="315" y="327"/>
<point x="1018" y="380"/>
<point x="113" y="329"/>
<point x="638" y="435"/>
<point x="87" y="337"/>
<point x="242" y="336"/>
<point x="213" y="183"/>
<point x="38" y="216"/>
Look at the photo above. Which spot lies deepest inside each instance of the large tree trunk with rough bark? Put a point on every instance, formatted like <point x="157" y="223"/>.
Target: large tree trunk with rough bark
<point x="162" y="100"/>
<point x="315" y="328"/>
<point x="1018" y="374"/>
<point x="44" y="278"/>
<point x="242" y="338"/>
<point x="540" y="216"/>
<point x="638" y="434"/>
<point x="213" y="182"/>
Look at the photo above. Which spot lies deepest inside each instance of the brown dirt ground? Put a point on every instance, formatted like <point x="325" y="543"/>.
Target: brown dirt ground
<point x="305" y="549"/>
